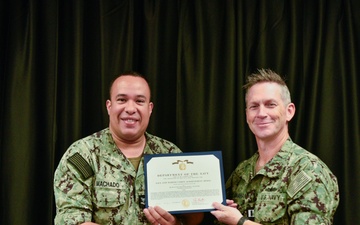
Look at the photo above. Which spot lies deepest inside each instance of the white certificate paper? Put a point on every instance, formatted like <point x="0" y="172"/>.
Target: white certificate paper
<point x="184" y="182"/>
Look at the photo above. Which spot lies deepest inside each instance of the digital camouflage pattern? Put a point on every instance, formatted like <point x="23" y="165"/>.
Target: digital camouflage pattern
<point x="295" y="187"/>
<point x="95" y="182"/>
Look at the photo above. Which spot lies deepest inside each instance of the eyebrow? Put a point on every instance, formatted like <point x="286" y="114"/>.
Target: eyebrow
<point x="262" y="101"/>
<point x="125" y="95"/>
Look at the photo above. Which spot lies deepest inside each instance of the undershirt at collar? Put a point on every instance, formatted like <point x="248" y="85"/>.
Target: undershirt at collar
<point x="135" y="161"/>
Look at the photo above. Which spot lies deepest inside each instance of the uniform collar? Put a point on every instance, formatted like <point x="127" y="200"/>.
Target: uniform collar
<point x="275" y="167"/>
<point x="116" y="158"/>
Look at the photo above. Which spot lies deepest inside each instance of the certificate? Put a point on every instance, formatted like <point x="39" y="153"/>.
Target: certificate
<point x="184" y="182"/>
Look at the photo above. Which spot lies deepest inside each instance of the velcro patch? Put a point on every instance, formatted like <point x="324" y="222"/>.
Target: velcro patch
<point x="300" y="180"/>
<point x="81" y="165"/>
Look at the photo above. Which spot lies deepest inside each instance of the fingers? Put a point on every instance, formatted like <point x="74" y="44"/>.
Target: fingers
<point x="152" y="216"/>
<point x="217" y="205"/>
<point x="226" y="214"/>
<point x="156" y="215"/>
<point x="164" y="216"/>
<point x="231" y="203"/>
<point x="217" y="213"/>
<point x="149" y="216"/>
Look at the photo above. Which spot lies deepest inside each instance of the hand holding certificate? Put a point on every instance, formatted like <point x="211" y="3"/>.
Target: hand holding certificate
<point x="184" y="182"/>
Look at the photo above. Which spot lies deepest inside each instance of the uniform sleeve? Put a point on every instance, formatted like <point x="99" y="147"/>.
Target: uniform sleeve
<point x="72" y="191"/>
<point x="314" y="193"/>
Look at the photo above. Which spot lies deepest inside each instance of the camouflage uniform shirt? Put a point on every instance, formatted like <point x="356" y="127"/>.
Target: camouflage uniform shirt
<point x="95" y="182"/>
<point x="295" y="187"/>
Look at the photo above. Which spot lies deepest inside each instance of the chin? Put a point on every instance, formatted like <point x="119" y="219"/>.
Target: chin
<point x="263" y="135"/>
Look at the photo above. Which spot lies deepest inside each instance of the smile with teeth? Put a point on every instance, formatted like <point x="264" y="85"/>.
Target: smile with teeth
<point x="129" y="121"/>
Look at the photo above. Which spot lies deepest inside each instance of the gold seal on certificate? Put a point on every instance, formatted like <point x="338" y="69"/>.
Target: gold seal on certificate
<point x="185" y="203"/>
<point x="184" y="182"/>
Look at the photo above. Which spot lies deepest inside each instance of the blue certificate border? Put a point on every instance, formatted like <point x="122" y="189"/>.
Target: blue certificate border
<point x="217" y="154"/>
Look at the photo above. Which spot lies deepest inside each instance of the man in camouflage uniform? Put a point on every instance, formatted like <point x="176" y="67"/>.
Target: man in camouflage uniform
<point x="100" y="178"/>
<point x="282" y="183"/>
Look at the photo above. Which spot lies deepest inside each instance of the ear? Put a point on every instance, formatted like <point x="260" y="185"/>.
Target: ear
<point x="151" y="106"/>
<point x="290" y="111"/>
<point x="108" y="106"/>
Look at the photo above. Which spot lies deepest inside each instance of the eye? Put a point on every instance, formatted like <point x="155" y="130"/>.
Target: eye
<point x="120" y="100"/>
<point x="253" y="107"/>
<point x="140" y="101"/>
<point x="271" y="105"/>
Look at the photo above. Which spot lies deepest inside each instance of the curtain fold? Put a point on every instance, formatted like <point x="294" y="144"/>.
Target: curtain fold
<point x="57" y="59"/>
<point x="29" y="57"/>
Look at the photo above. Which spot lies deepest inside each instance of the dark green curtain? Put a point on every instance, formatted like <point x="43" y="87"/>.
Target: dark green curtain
<point x="57" y="59"/>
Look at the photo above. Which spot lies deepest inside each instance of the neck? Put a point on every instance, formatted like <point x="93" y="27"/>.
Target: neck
<point x="130" y="148"/>
<point x="269" y="148"/>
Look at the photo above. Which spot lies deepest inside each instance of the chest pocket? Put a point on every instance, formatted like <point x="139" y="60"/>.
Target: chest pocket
<point x="110" y="194"/>
<point x="271" y="207"/>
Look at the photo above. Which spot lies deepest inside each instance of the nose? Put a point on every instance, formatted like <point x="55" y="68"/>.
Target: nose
<point x="262" y="111"/>
<point x="130" y="107"/>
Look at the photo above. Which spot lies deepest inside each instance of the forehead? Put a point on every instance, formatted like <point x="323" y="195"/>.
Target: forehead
<point x="264" y="91"/>
<point x="130" y="85"/>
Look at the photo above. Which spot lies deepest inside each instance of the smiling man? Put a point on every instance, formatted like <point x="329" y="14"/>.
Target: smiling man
<point x="281" y="183"/>
<point x="100" y="178"/>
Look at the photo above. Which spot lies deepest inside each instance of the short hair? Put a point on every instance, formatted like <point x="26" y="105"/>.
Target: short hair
<point x="128" y="73"/>
<point x="267" y="75"/>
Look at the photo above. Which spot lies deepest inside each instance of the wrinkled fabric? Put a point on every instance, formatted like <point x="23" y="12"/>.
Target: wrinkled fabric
<point x="295" y="187"/>
<point x="115" y="194"/>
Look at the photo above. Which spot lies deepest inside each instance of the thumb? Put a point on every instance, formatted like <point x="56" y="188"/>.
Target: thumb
<point x="218" y="205"/>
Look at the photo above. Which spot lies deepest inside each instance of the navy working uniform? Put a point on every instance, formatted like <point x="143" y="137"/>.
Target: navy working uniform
<point x="95" y="182"/>
<point x="294" y="187"/>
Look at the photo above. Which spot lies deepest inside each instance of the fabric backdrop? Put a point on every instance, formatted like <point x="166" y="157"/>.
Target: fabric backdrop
<point x="57" y="59"/>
